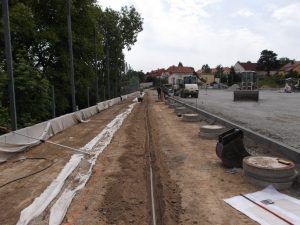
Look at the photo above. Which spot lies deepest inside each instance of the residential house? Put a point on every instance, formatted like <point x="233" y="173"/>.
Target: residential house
<point x="290" y="67"/>
<point x="207" y="77"/>
<point x="240" y="67"/>
<point x="249" y="66"/>
<point x="159" y="73"/>
<point x="177" y="73"/>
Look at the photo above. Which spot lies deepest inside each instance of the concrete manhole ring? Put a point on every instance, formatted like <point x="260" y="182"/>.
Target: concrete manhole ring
<point x="216" y="129"/>
<point x="269" y="166"/>
<point x="208" y="135"/>
<point x="263" y="183"/>
<point x="190" y="117"/>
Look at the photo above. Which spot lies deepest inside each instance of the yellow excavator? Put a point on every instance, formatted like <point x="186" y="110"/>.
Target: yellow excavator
<point x="248" y="90"/>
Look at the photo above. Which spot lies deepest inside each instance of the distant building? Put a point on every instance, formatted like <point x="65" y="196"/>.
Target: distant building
<point x="177" y="73"/>
<point x="226" y="70"/>
<point x="240" y="67"/>
<point x="207" y="77"/>
<point x="249" y="66"/>
<point x="290" y="67"/>
<point x="159" y="73"/>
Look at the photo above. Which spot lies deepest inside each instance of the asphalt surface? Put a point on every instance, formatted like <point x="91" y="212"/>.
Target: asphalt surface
<point x="275" y="115"/>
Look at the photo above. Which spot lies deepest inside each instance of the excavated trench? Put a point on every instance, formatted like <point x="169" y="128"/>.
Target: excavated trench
<point x="164" y="197"/>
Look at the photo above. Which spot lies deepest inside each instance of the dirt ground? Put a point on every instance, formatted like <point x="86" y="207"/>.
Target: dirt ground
<point x="190" y="183"/>
<point x="18" y="195"/>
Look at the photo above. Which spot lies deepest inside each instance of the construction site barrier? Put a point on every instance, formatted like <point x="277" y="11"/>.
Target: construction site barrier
<point x="21" y="139"/>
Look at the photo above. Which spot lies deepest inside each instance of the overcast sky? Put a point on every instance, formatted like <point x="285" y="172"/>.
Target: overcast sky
<point x="197" y="32"/>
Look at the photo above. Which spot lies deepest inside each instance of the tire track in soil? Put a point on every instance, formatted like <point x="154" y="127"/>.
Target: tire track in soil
<point x="119" y="189"/>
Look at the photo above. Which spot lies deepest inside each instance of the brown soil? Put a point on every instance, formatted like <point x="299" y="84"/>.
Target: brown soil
<point x="18" y="195"/>
<point x="189" y="181"/>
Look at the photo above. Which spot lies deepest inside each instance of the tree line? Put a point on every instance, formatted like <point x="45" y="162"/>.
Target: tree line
<point x="267" y="62"/>
<point x="41" y="56"/>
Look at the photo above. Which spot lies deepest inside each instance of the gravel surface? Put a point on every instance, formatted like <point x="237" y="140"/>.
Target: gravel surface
<point x="275" y="115"/>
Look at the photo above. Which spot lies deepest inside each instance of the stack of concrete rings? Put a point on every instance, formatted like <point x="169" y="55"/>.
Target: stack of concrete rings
<point x="268" y="170"/>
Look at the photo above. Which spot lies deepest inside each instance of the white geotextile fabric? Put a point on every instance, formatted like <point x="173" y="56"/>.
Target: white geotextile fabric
<point x="11" y="142"/>
<point x="58" y="210"/>
<point x="284" y="205"/>
<point x="40" y="203"/>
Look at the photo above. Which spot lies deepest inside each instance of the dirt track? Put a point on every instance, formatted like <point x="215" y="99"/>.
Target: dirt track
<point x="190" y="183"/>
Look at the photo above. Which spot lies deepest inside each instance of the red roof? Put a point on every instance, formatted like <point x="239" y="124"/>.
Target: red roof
<point x="249" y="66"/>
<point x="181" y="69"/>
<point x="156" y="73"/>
<point x="290" y="66"/>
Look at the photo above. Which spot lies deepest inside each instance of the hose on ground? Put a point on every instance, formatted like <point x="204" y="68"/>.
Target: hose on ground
<point x="31" y="174"/>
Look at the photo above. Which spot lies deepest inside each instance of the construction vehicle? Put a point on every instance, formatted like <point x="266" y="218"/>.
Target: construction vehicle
<point x="189" y="87"/>
<point x="248" y="90"/>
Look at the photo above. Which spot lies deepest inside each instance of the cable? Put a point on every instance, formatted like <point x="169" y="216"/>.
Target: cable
<point x="50" y="142"/>
<point x="31" y="174"/>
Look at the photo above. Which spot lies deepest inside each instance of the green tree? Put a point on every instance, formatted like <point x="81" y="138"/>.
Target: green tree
<point x="267" y="61"/>
<point x="206" y="68"/>
<point x="283" y="61"/>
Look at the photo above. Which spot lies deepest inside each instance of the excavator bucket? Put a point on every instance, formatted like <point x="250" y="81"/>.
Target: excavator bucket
<point x="245" y="95"/>
<point x="230" y="148"/>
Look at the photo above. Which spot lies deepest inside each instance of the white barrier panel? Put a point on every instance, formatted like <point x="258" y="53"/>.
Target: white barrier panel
<point x="11" y="142"/>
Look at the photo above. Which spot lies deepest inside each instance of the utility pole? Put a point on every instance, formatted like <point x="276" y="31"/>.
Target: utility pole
<point x="10" y="73"/>
<point x="53" y="102"/>
<point x="107" y="66"/>
<point x="88" y="96"/>
<point x="96" y="67"/>
<point x="71" y="57"/>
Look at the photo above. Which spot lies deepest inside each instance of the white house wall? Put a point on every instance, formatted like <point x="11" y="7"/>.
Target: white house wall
<point x="177" y="76"/>
<point x="238" y="68"/>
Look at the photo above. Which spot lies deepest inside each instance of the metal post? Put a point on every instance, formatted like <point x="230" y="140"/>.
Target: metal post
<point x="53" y="102"/>
<point x="96" y="67"/>
<point x="10" y="73"/>
<point x="71" y="57"/>
<point x="107" y="67"/>
<point x="88" y="96"/>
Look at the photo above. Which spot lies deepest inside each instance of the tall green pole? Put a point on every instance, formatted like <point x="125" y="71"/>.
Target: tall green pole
<point x="71" y="57"/>
<point x="10" y="72"/>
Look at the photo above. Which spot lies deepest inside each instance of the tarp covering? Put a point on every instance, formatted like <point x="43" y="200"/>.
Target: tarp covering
<point x="15" y="142"/>
<point x="283" y="205"/>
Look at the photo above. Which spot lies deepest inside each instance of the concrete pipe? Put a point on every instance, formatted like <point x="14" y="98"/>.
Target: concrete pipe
<point x="190" y="117"/>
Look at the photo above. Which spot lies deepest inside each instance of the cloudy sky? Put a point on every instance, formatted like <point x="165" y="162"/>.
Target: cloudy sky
<point x="197" y="32"/>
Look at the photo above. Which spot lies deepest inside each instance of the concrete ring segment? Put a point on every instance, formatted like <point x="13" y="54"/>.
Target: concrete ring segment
<point x="190" y="117"/>
<point x="208" y="135"/>
<point x="262" y="183"/>
<point x="268" y="166"/>
<point x="272" y="179"/>
<point x="216" y="129"/>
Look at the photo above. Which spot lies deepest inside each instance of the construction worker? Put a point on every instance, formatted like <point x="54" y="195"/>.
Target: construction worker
<point x="158" y="93"/>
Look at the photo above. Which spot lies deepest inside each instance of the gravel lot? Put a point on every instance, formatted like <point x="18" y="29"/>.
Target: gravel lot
<point x="276" y="115"/>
